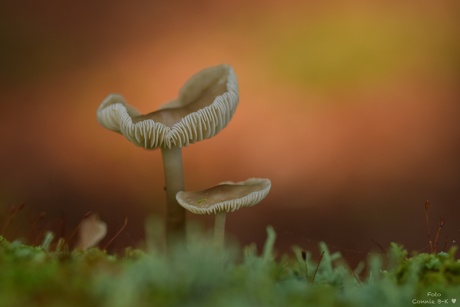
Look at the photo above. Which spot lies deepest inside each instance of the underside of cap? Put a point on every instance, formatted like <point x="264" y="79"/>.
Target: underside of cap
<point x="205" y="105"/>
<point x="225" y="197"/>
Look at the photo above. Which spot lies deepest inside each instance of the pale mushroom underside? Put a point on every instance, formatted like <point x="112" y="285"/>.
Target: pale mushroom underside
<point x="205" y="105"/>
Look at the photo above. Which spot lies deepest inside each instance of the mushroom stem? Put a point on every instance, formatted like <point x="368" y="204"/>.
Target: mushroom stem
<point x="174" y="182"/>
<point x="219" y="229"/>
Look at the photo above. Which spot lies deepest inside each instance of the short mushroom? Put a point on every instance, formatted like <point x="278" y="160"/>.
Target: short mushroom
<point x="91" y="231"/>
<point x="205" y="105"/>
<point x="225" y="197"/>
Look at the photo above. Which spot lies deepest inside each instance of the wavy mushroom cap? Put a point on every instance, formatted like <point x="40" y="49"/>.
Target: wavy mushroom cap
<point x="205" y="105"/>
<point x="225" y="197"/>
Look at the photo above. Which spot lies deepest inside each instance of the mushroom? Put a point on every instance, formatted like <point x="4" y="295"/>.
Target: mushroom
<point x="225" y="197"/>
<point x="205" y="105"/>
<point x="92" y="230"/>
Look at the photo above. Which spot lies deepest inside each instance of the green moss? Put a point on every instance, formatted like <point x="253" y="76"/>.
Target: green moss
<point x="199" y="275"/>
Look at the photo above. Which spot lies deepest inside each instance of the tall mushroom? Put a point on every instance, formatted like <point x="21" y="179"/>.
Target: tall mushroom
<point x="225" y="197"/>
<point x="205" y="105"/>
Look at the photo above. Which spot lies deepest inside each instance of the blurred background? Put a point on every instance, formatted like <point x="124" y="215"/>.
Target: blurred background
<point x="350" y="108"/>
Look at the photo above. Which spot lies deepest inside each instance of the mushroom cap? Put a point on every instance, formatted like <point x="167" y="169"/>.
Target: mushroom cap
<point x="225" y="197"/>
<point x="205" y="105"/>
<point x="92" y="231"/>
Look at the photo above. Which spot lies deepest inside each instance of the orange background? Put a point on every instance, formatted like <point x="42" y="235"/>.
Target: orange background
<point x="351" y="109"/>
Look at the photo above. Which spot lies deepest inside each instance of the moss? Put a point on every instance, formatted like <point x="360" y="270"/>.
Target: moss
<point x="199" y="275"/>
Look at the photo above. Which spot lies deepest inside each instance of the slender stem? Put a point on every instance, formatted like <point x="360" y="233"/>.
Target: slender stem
<point x="174" y="182"/>
<point x="219" y="229"/>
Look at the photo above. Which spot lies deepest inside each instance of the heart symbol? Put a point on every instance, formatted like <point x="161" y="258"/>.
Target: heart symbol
<point x="454" y="300"/>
